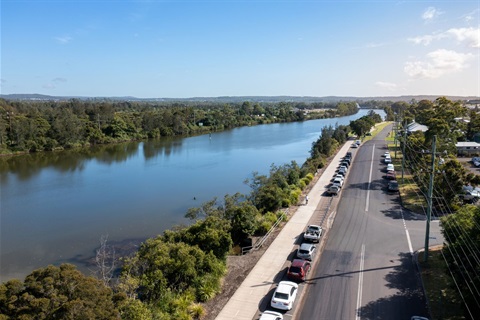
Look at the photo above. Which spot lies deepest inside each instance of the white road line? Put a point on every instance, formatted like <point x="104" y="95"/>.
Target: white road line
<point x="360" y="283"/>
<point x="408" y="234"/>
<point x="409" y="241"/>
<point x="370" y="180"/>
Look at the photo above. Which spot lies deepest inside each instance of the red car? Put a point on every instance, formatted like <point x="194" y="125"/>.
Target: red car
<point x="298" y="270"/>
<point x="391" y="176"/>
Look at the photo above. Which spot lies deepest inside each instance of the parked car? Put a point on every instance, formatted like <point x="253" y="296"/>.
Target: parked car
<point x="284" y="295"/>
<point x="271" y="315"/>
<point x="339" y="176"/>
<point x="338" y="182"/>
<point x="387" y="159"/>
<point x="344" y="168"/>
<point x="313" y="233"/>
<point x="390" y="167"/>
<point x="391" y="175"/>
<point x="393" y="186"/>
<point x="343" y="172"/>
<point x="306" y="251"/>
<point x="418" y="318"/>
<point x="298" y="269"/>
<point x="354" y="145"/>
<point x="469" y="194"/>
<point x="386" y="154"/>
<point x="349" y="154"/>
<point x="333" y="190"/>
<point x="345" y="163"/>
<point x="358" y="142"/>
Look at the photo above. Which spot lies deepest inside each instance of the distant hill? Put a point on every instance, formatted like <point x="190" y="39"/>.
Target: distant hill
<point x="235" y="99"/>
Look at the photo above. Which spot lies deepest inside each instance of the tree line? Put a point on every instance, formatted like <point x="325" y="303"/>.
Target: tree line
<point x="172" y="274"/>
<point x="30" y="126"/>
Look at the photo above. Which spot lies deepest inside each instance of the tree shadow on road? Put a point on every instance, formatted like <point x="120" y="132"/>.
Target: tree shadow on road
<point x="408" y="300"/>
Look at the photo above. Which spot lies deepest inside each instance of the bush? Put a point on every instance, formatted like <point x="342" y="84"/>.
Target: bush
<point x="263" y="228"/>
<point x="301" y="184"/>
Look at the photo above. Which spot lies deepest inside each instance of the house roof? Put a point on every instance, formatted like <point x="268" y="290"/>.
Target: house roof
<point x="412" y="127"/>
<point x="467" y="144"/>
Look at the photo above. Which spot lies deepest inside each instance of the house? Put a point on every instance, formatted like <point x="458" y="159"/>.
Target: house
<point x="467" y="148"/>
<point x="414" y="126"/>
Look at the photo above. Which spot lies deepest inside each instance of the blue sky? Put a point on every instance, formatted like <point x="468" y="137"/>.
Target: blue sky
<point x="179" y="49"/>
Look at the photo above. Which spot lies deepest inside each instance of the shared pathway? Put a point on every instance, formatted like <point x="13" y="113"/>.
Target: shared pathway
<point x="245" y="302"/>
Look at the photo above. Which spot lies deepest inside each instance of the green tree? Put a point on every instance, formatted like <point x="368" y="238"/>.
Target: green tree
<point x="462" y="240"/>
<point x="57" y="293"/>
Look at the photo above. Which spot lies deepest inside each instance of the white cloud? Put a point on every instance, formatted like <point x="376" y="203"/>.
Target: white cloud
<point x="64" y="39"/>
<point x="439" y="63"/>
<point x="470" y="16"/>
<point x="469" y="35"/>
<point x="426" y="39"/>
<point x="387" y="85"/>
<point x="430" y="14"/>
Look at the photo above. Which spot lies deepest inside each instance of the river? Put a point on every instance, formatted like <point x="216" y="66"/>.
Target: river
<point x="55" y="206"/>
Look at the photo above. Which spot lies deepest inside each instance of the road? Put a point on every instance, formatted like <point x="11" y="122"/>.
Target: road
<point x="366" y="270"/>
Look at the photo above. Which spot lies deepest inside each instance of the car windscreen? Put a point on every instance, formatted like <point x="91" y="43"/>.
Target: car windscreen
<point x="303" y="251"/>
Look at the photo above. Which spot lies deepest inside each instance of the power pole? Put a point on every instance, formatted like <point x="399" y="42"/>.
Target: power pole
<point x="395" y="135"/>
<point x="403" y="148"/>
<point x="429" y="198"/>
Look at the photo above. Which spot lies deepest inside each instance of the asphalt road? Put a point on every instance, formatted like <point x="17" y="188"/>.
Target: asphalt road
<point x="367" y="269"/>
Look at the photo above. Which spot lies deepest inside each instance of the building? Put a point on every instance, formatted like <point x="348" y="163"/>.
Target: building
<point x="468" y="148"/>
<point x="414" y="126"/>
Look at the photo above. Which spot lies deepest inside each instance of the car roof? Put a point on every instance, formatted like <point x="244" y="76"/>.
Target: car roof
<point x="298" y="262"/>
<point x="270" y="315"/>
<point x="306" y="246"/>
<point x="286" y="286"/>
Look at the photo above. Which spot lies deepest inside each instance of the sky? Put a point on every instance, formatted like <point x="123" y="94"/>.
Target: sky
<point x="196" y="48"/>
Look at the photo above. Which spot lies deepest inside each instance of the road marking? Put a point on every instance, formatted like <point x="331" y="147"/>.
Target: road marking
<point x="408" y="234"/>
<point x="360" y="283"/>
<point x="370" y="180"/>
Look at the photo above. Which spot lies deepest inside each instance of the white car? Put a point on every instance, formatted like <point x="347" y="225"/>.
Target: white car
<point x="339" y="176"/>
<point x="386" y="154"/>
<point x="388" y="159"/>
<point x="390" y="167"/>
<point x="284" y="295"/>
<point x="306" y="251"/>
<point x="338" y="182"/>
<point x="271" y="315"/>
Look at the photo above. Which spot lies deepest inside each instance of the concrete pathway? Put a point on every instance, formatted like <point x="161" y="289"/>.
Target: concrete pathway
<point x="244" y="304"/>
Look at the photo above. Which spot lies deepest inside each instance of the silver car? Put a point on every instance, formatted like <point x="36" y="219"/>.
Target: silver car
<point x="306" y="251"/>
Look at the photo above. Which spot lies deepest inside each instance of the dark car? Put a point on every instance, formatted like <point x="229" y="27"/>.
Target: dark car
<point x="345" y="163"/>
<point x="298" y="270"/>
<point x="393" y="186"/>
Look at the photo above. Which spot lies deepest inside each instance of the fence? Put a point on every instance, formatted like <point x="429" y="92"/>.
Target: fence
<point x="260" y="243"/>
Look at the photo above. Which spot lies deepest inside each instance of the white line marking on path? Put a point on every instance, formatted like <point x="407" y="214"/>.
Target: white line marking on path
<point x="360" y="283"/>
<point x="369" y="180"/>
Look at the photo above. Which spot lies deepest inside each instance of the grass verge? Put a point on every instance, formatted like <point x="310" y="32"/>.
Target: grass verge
<point x="444" y="301"/>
